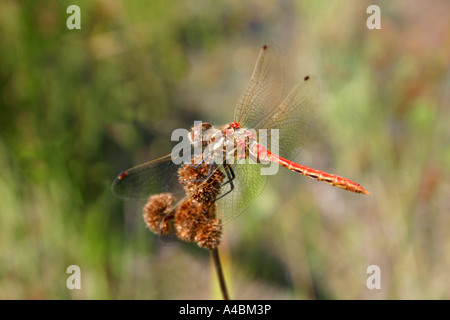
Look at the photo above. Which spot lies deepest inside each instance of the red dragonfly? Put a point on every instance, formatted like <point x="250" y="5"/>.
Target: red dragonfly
<point x="260" y="107"/>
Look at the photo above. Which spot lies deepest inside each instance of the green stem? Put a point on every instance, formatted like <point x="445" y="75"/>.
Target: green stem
<point x="220" y="276"/>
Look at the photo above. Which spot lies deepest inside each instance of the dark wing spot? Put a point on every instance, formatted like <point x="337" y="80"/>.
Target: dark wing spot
<point x="264" y="47"/>
<point x="306" y="78"/>
<point x="122" y="175"/>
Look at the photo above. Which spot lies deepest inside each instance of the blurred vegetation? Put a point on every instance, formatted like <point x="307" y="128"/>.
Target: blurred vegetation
<point x="79" y="106"/>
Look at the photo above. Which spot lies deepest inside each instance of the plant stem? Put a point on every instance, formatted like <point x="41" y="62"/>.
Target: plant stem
<point x="220" y="276"/>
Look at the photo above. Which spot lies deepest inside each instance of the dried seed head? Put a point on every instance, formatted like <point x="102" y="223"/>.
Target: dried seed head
<point x="188" y="217"/>
<point x="194" y="222"/>
<point x="194" y="218"/>
<point x="190" y="176"/>
<point x="157" y="207"/>
<point x="199" y="184"/>
<point x="208" y="191"/>
<point x="208" y="234"/>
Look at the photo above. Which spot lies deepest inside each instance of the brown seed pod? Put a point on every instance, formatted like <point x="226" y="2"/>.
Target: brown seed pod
<point x="194" y="222"/>
<point x="199" y="184"/>
<point x="188" y="217"/>
<point x="208" y="234"/>
<point x="156" y="209"/>
<point x="194" y="217"/>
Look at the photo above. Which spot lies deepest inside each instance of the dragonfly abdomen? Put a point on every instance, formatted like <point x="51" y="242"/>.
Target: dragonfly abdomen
<point x="319" y="175"/>
<point x="332" y="179"/>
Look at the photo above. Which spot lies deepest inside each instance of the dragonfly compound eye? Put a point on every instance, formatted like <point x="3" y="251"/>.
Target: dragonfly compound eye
<point x="197" y="131"/>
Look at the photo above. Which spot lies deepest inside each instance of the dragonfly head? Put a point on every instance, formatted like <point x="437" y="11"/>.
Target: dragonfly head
<point x="200" y="133"/>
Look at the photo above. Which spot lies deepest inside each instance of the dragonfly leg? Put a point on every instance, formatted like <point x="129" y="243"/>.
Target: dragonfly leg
<point x="230" y="175"/>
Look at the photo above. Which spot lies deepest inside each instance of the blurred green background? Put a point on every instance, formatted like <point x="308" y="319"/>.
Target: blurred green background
<point x="77" y="107"/>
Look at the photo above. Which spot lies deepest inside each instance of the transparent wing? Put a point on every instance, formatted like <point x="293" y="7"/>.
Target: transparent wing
<point x="263" y="94"/>
<point x="248" y="184"/>
<point x="139" y="182"/>
<point x="292" y="118"/>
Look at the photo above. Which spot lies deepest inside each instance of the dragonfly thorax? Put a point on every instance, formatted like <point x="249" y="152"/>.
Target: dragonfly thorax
<point x="225" y="144"/>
